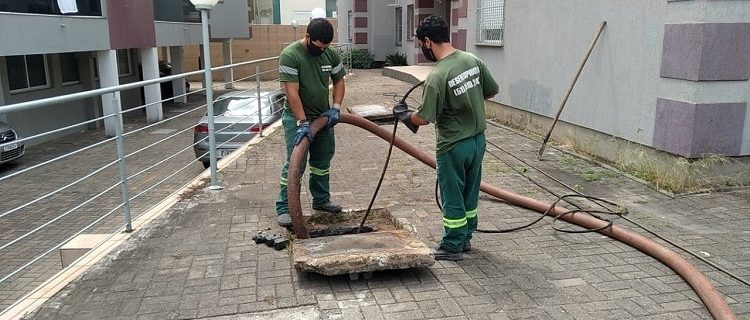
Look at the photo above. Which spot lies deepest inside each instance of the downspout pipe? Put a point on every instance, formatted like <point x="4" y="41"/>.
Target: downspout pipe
<point x="697" y="280"/>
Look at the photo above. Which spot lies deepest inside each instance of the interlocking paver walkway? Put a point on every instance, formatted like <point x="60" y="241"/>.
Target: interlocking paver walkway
<point x="198" y="261"/>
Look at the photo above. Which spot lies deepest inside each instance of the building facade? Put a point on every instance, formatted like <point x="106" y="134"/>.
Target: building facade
<point x="669" y="74"/>
<point x="283" y="12"/>
<point x="53" y="48"/>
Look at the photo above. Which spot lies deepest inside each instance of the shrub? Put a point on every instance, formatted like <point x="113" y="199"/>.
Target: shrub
<point x="360" y="59"/>
<point x="396" y="59"/>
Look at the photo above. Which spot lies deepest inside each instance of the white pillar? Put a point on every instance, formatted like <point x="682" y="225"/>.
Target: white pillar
<point x="152" y="92"/>
<point x="178" y="86"/>
<point x="108" y="77"/>
<point x="228" y="73"/>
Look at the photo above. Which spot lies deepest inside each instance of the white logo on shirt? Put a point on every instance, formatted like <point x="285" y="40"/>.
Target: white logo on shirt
<point x="326" y="68"/>
<point x="463" y="82"/>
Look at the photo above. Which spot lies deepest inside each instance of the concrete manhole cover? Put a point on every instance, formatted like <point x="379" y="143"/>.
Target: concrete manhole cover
<point x="372" y="112"/>
<point x="388" y="247"/>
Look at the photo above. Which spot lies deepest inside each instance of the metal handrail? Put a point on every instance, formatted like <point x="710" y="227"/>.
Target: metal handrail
<point x="122" y="156"/>
<point x="51" y="193"/>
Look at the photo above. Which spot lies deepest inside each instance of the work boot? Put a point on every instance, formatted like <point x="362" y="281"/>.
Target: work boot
<point x="467" y="246"/>
<point x="328" y="207"/>
<point x="285" y="220"/>
<point x="441" y="254"/>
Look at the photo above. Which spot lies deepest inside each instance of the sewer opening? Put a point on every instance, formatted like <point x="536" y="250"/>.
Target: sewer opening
<point x="325" y="225"/>
<point x="339" y="230"/>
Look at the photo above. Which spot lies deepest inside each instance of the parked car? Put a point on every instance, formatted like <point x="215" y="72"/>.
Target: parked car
<point x="9" y="150"/>
<point x="236" y="121"/>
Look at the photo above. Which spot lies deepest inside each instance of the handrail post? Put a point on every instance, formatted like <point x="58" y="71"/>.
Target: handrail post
<point x="260" y="108"/>
<point x="120" y="142"/>
<point x="209" y="100"/>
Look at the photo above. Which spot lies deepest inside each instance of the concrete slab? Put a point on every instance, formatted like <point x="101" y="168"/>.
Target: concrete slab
<point x="78" y="246"/>
<point x="359" y="253"/>
<point x="410" y="74"/>
<point x="371" y="112"/>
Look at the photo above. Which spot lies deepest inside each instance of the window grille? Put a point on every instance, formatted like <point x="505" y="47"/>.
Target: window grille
<point x="399" y="26"/>
<point x="490" y="21"/>
<point x="410" y="22"/>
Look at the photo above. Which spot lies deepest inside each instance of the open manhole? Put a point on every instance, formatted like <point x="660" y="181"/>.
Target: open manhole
<point x="327" y="225"/>
<point x="340" y="249"/>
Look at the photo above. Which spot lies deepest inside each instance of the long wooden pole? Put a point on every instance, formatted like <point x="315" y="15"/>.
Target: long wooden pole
<point x="572" y="85"/>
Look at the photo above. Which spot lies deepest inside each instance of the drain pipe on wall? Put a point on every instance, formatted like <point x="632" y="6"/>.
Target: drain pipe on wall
<point x="711" y="297"/>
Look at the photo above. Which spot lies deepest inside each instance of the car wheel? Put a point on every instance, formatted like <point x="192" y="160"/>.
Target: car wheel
<point x="206" y="164"/>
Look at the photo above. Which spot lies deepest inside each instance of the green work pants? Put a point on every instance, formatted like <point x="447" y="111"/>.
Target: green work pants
<point x="459" y="173"/>
<point x="320" y="153"/>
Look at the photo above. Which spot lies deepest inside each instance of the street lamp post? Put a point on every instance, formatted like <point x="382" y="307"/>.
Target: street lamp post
<point x="204" y="6"/>
<point x="295" y="24"/>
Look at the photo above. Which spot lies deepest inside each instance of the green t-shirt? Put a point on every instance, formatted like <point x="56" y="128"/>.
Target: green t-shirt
<point x="453" y="98"/>
<point x="313" y="75"/>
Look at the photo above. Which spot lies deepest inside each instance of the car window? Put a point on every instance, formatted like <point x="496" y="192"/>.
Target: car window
<point x="238" y="107"/>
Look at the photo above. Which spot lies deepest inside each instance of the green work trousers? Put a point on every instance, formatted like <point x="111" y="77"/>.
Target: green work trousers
<point x="320" y="153"/>
<point x="459" y="173"/>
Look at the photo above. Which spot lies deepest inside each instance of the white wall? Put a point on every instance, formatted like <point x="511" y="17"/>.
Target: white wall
<point x="381" y="30"/>
<point x="544" y="43"/>
<point x="289" y="7"/>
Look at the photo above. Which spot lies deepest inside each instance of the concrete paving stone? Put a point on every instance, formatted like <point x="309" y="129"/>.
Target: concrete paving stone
<point x="372" y="313"/>
<point x="401" y="294"/>
<point x="407" y="315"/>
<point x="383" y="296"/>
<point x="217" y="311"/>
<point x="352" y="313"/>
<point x="399" y="307"/>
<point x="328" y="304"/>
<point x="429" y="295"/>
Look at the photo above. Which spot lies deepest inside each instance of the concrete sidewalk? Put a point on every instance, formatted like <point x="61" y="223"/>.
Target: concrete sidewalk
<point x="198" y="261"/>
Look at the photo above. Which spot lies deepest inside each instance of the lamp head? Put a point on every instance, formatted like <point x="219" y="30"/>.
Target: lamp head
<point x="317" y="13"/>
<point x="204" y="4"/>
<point x="295" y="24"/>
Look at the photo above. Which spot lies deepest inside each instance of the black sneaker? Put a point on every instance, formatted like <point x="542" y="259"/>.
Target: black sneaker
<point x="442" y="254"/>
<point x="285" y="220"/>
<point x="328" y="207"/>
<point x="467" y="246"/>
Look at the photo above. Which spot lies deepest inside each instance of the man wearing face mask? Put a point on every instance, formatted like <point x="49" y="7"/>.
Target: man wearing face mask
<point x="453" y="99"/>
<point x="306" y="68"/>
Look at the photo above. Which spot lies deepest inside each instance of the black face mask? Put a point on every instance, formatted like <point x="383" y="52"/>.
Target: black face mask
<point x="429" y="54"/>
<point x="313" y="49"/>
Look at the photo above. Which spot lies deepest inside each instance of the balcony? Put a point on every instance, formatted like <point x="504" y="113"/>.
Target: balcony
<point x="85" y="7"/>
<point x="175" y="11"/>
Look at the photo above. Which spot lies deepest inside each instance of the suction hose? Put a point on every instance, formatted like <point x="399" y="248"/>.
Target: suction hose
<point x="702" y="286"/>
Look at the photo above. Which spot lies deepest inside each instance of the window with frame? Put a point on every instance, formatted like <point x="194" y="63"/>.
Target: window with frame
<point x="399" y="26"/>
<point x="124" y="63"/>
<point x="69" y="68"/>
<point x="410" y="22"/>
<point x="27" y="72"/>
<point x="490" y="22"/>
<point x="349" y="25"/>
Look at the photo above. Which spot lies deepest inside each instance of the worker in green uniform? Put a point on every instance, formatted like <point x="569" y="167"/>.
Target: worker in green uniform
<point x="453" y="99"/>
<point x="306" y="68"/>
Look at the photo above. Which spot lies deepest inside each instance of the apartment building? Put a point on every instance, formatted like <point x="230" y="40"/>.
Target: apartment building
<point x="50" y="48"/>
<point x="671" y="75"/>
